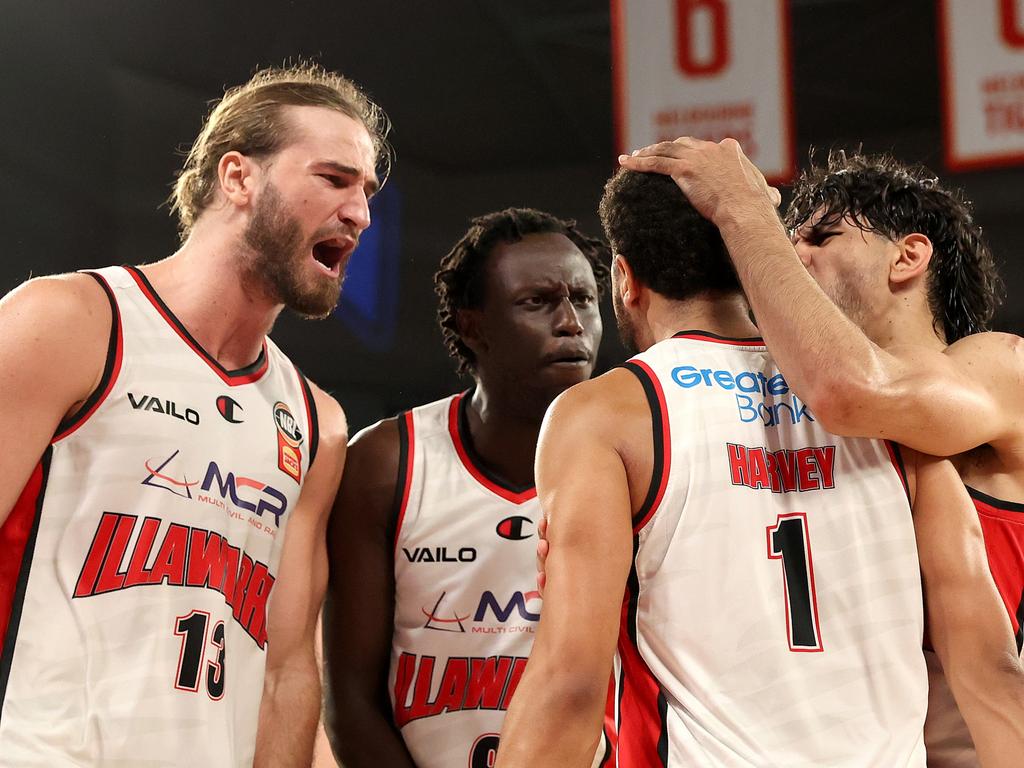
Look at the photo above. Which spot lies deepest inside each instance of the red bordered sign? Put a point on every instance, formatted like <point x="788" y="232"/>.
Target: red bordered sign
<point x="709" y="69"/>
<point x="982" y="61"/>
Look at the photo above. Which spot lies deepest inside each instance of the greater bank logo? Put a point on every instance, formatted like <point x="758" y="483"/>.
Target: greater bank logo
<point x="758" y="397"/>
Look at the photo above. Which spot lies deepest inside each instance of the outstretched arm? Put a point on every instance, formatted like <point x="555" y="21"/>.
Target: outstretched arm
<point x="851" y="384"/>
<point x="290" y="707"/>
<point x="967" y="620"/>
<point x="555" y="716"/>
<point x="359" y="612"/>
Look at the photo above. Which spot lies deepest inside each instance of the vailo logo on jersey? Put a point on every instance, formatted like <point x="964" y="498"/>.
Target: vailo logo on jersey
<point x="752" y="389"/>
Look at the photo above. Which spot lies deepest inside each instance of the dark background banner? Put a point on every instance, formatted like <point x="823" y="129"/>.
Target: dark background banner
<point x="494" y="103"/>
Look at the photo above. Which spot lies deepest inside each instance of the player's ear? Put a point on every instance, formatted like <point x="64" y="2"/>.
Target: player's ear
<point x="913" y="258"/>
<point x="624" y="281"/>
<point x="235" y="177"/>
<point x="469" y="323"/>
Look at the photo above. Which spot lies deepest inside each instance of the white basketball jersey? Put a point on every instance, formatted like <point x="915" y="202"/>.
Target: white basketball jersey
<point x="466" y="605"/>
<point x="152" y="531"/>
<point x="773" y="614"/>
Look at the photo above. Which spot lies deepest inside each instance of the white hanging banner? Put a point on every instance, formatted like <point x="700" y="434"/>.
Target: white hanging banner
<point x="708" y="69"/>
<point x="982" y="53"/>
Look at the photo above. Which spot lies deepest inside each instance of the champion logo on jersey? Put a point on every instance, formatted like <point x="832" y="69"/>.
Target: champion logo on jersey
<point x="515" y="528"/>
<point x="229" y="409"/>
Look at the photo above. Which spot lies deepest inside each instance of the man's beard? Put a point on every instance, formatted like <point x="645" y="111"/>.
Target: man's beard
<point x="277" y="261"/>
<point x="626" y="328"/>
<point x="849" y="299"/>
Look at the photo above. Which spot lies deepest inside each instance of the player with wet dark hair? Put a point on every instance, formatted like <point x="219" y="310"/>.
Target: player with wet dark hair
<point x="881" y="195"/>
<point x="877" y="306"/>
<point x="758" y="576"/>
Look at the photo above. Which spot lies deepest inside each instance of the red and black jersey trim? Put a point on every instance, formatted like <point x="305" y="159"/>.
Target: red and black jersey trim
<point x="896" y="457"/>
<point x="314" y="423"/>
<point x="642" y="726"/>
<point x="992" y="501"/>
<point x="111" y="368"/>
<point x="17" y="530"/>
<point x="662" y="441"/>
<point x="753" y="341"/>
<point x="1002" y="525"/>
<point x="250" y="373"/>
<point x="458" y="426"/>
<point x="403" y="481"/>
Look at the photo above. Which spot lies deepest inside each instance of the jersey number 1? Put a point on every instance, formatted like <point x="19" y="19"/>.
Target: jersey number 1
<point x="788" y="542"/>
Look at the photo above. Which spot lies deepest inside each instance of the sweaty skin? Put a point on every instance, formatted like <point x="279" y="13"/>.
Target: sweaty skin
<point x="68" y="318"/>
<point x="540" y="305"/>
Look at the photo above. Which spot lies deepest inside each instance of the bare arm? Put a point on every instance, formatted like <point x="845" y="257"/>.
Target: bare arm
<point x="967" y="621"/>
<point x="555" y="715"/>
<point x="359" y="621"/>
<point x="54" y="334"/>
<point x="851" y="384"/>
<point x="290" y="707"/>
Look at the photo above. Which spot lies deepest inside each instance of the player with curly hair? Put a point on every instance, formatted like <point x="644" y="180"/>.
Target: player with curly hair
<point x="437" y="513"/>
<point x="877" y="305"/>
<point x="759" y="578"/>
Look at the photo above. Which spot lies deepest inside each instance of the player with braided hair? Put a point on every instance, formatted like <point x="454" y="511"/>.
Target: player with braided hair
<point x="903" y="350"/>
<point x="437" y="512"/>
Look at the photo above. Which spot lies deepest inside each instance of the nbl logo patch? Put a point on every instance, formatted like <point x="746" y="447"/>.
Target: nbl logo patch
<point x="289" y="438"/>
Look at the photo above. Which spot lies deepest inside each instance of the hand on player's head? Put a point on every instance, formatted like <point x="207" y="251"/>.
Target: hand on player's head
<point x="715" y="177"/>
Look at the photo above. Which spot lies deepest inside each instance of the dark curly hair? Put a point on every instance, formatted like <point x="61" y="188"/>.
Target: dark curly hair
<point x="881" y="195"/>
<point x="672" y="249"/>
<point x="459" y="281"/>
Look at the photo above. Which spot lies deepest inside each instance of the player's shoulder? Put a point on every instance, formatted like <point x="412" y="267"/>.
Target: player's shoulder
<point x="68" y="315"/>
<point x="332" y="426"/>
<point x="380" y="438"/>
<point x="385" y="437"/>
<point x="608" y="400"/>
<point x="992" y="359"/>
<point x="994" y="346"/>
<point x="75" y="295"/>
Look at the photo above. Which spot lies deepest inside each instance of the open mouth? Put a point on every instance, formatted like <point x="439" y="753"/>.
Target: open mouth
<point x="331" y="254"/>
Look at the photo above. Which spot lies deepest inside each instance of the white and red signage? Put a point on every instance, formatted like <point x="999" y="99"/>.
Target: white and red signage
<point x="708" y="69"/>
<point x="982" y="52"/>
